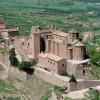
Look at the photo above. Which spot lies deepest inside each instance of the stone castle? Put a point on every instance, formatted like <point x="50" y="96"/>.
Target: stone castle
<point x="59" y="52"/>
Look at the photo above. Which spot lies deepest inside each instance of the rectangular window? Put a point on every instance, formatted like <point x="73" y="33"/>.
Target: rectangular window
<point x="63" y="65"/>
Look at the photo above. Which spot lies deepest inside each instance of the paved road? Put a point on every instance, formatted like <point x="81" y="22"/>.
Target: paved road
<point x="79" y="94"/>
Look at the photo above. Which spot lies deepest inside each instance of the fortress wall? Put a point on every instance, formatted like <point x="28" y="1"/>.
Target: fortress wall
<point x="84" y="84"/>
<point x="92" y="83"/>
<point x="71" y="86"/>
<point x="51" y="78"/>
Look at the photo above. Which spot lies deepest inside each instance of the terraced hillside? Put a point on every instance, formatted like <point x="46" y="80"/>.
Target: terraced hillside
<point x="33" y="89"/>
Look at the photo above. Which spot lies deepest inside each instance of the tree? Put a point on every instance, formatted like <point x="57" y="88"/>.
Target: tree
<point x="94" y="55"/>
<point x="24" y="65"/>
<point x="73" y="79"/>
<point x="12" y="57"/>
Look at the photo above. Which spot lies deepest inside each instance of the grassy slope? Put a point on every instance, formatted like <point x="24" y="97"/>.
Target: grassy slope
<point x="32" y="88"/>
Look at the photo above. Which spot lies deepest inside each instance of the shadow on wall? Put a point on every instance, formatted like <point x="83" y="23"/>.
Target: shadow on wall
<point x="42" y="45"/>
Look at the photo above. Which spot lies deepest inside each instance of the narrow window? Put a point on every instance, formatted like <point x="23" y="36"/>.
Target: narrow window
<point x="63" y="65"/>
<point x="83" y="72"/>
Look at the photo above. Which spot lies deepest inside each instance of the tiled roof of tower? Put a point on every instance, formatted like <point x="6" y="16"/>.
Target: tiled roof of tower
<point x="54" y="57"/>
<point x="63" y="34"/>
<point x="75" y="41"/>
<point x="79" y="44"/>
<point x="50" y="56"/>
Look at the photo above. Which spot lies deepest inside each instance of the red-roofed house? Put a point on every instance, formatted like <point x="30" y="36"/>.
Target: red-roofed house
<point x="2" y="26"/>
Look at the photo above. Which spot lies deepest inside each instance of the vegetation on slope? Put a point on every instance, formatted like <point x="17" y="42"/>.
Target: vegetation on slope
<point x="23" y="65"/>
<point x="92" y="95"/>
<point x="24" y="14"/>
<point x="46" y="95"/>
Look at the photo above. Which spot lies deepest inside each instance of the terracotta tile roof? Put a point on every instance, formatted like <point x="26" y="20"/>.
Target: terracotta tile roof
<point x="79" y="44"/>
<point x="50" y="56"/>
<point x="75" y="41"/>
<point x="63" y="34"/>
<point x="2" y="26"/>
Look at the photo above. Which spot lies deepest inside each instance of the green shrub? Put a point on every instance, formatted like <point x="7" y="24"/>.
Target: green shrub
<point x="58" y="89"/>
<point x="47" y="95"/>
<point x="94" y="55"/>
<point x="26" y="64"/>
<point x="33" y="62"/>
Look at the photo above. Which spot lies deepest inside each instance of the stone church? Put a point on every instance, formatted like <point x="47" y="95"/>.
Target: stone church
<point x="59" y="52"/>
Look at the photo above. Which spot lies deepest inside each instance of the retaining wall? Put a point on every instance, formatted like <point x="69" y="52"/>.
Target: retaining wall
<point x="71" y="86"/>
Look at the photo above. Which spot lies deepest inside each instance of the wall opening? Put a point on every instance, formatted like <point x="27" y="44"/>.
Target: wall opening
<point x="71" y="54"/>
<point x="42" y="45"/>
<point x="83" y="72"/>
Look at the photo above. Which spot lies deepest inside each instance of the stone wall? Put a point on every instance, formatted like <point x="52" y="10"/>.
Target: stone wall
<point x="81" y="84"/>
<point x="50" y="78"/>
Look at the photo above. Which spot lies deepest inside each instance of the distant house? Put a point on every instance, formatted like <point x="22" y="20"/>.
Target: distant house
<point x="9" y="33"/>
<point x="2" y="26"/>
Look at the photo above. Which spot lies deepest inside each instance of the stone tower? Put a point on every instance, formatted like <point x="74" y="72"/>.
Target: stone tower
<point x="78" y="51"/>
<point x="35" y="42"/>
<point x="73" y="35"/>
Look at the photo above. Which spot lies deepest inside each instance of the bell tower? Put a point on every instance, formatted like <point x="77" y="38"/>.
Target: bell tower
<point x="35" y="41"/>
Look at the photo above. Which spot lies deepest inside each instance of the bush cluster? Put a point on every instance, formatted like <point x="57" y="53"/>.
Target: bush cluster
<point x="23" y="65"/>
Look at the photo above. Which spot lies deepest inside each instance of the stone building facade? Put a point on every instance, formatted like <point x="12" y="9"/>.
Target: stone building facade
<point x="58" y="52"/>
<point x="9" y="33"/>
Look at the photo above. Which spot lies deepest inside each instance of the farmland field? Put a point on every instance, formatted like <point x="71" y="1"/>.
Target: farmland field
<point x="65" y="16"/>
